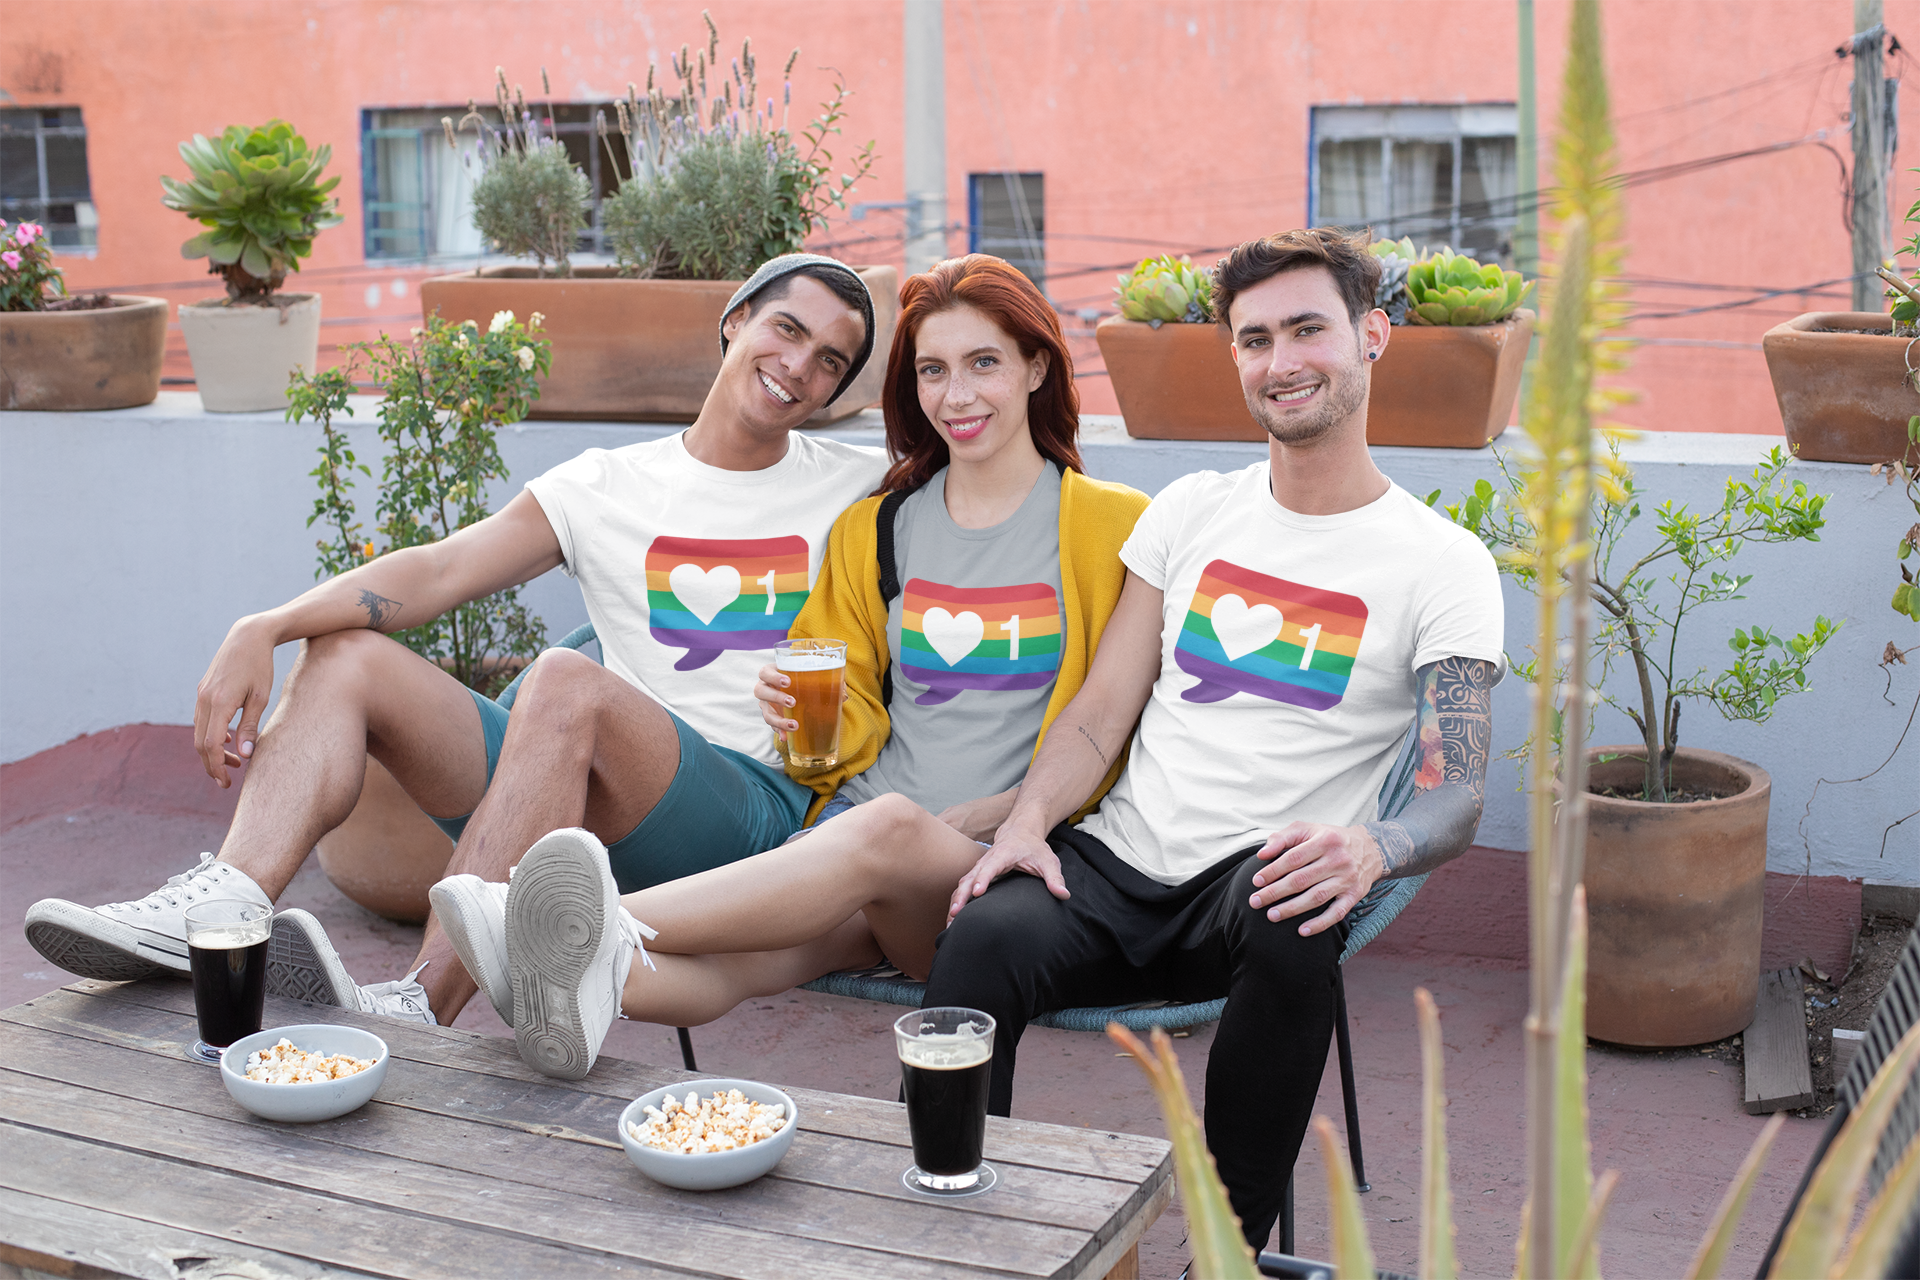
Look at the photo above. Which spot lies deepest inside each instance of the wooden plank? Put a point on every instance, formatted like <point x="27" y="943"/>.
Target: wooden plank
<point x="95" y="1243"/>
<point x="1779" y="1076"/>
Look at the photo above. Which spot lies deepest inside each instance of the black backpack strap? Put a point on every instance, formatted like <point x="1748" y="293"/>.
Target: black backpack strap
<point x="889" y="571"/>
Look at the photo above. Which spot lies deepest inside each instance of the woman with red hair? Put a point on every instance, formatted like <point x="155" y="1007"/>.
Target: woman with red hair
<point x="971" y="592"/>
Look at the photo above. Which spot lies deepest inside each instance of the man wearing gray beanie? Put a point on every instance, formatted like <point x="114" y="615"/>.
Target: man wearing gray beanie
<point x="694" y="554"/>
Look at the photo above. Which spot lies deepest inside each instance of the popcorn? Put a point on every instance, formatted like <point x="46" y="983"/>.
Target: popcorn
<point x="284" y="1064"/>
<point x="725" y="1122"/>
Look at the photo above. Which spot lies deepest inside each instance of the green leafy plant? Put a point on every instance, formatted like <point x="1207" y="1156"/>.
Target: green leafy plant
<point x="718" y="187"/>
<point x="1906" y="595"/>
<point x="1166" y="289"/>
<point x="1396" y="261"/>
<point x="1451" y="288"/>
<point x="446" y="392"/>
<point x="530" y="199"/>
<point x="1641" y="619"/>
<point x="28" y="278"/>
<point x="259" y="194"/>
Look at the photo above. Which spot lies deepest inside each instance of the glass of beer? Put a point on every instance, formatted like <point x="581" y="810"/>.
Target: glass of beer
<point x="946" y="1062"/>
<point x="818" y="672"/>
<point x="227" y="952"/>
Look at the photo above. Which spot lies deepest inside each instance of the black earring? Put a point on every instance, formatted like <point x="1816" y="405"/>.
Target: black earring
<point x="1373" y="355"/>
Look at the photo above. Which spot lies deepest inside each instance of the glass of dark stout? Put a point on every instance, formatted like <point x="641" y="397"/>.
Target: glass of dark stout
<point x="946" y="1062"/>
<point x="227" y="952"/>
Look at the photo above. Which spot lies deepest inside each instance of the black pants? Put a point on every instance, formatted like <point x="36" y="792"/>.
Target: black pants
<point x="1017" y="952"/>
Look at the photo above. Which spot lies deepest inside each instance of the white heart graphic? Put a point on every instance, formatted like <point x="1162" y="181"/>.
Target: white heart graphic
<point x="1242" y="630"/>
<point x="952" y="637"/>
<point x="705" y="592"/>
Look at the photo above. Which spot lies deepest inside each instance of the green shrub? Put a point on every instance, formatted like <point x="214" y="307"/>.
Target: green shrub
<point x="258" y="191"/>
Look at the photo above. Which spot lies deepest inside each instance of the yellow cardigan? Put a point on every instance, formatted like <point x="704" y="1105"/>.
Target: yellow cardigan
<point x="1095" y="519"/>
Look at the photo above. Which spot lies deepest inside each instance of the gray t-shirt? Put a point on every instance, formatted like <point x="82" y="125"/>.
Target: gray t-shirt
<point x="975" y="640"/>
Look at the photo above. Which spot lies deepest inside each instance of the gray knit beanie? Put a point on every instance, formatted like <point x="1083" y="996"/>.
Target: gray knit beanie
<point x="785" y="265"/>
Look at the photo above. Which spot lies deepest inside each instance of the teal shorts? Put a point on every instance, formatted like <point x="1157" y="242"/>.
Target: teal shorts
<point x="721" y="807"/>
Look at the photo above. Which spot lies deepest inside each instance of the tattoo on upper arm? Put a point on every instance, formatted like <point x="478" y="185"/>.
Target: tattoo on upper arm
<point x="379" y="608"/>
<point x="1096" y="746"/>
<point x="1455" y="729"/>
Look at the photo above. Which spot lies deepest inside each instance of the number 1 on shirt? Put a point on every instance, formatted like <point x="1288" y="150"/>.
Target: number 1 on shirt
<point x="1312" y="636"/>
<point x="766" y="580"/>
<point x="1012" y="627"/>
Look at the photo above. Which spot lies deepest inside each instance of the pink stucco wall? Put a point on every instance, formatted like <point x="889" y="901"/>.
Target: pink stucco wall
<point x="1180" y="121"/>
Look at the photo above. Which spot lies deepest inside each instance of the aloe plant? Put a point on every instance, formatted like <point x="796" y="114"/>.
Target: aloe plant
<point x="1451" y="288"/>
<point x="259" y="194"/>
<point x="1165" y="289"/>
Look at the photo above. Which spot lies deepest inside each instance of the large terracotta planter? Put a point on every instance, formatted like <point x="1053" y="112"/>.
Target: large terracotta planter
<point x="1844" y="397"/>
<point x="1434" y="386"/>
<point x="628" y="350"/>
<point x="105" y="358"/>
<point x="387" y="854"/>
<point x="243" y="356"/>
<point x="1675" y="902"/>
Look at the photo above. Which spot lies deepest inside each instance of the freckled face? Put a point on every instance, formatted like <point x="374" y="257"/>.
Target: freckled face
<point x="973" y="381"/>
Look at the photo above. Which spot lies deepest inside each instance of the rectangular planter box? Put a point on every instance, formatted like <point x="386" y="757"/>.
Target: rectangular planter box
<point x="1434" y="386"/>
<point x="1844" y="397"/>
<point x="638" y="350"/>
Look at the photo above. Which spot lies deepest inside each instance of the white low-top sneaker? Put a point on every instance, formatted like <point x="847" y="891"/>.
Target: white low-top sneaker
<point x="126" y="940"/>
<point x="303" y="965"/>
<point x="570" y="946"/>
<point x="473" y="912"/>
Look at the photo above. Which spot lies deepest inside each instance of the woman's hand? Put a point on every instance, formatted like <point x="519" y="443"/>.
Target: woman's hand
<point x="774" y="701"/>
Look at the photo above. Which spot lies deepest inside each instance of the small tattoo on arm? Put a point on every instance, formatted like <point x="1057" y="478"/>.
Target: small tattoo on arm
<point x="379" y="608"/>
<point x="1096" y="746"/>
<point x="1396" y="843"/>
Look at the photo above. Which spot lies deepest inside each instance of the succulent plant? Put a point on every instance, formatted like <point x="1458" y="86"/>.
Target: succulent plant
<point x="1166" y="289"/>
<point x="1451" y="288"/>
<point x="259" y="192"/>
<point x="1396" y="259"/>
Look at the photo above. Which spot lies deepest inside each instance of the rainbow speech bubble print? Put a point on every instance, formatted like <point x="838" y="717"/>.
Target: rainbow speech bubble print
<point x="954" y="638"/>
<point x="707" y="595"/>
<point x="1249" y="633"/>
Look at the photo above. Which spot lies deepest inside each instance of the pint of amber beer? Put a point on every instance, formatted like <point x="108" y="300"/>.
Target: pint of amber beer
<point x="818" y="671"/>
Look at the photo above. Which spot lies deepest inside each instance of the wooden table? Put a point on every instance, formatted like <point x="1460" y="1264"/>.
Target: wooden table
<point x="120" y="1157"/>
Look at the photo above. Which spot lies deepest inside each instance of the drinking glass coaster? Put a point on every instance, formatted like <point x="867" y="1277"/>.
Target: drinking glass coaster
<point x="201" y="1051"/>
<point x="988" y="1180"/>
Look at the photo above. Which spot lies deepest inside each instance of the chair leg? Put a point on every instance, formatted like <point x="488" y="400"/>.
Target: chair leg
<point x="1286" y="1218"/>
<point x="1346" y="1079"/>
<point x="686" y="1053"/>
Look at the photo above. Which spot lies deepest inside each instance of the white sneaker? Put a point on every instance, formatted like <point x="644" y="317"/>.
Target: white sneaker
<point x="570" y="946"/>
<point x="473" y="912"/>
<point x="303" y="965"/>
<point x="126" y="940"/>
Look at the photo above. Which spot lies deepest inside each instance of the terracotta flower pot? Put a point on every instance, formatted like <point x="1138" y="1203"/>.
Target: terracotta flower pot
<point x="1675" y="901"/>
<point x="106" y="358"/>
<point x="243" y="355"/>
<point x="638" y="349"/>
<point x="387" y="854"/>
<point x="1434" y="386"/>
<point x="1844" y="397"/>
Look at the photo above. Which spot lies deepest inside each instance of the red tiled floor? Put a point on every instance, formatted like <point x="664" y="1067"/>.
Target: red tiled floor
<point x="108" y="816"/>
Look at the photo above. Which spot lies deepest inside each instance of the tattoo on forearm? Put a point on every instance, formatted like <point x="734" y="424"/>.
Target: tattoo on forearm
<point x="1096" y="746"/>
<point x="379" y="608"/>
<point x="1455" y="735"/>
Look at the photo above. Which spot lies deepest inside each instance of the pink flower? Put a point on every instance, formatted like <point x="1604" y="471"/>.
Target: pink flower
<point x="25" y="233"/>
<point x="12" y="259"/>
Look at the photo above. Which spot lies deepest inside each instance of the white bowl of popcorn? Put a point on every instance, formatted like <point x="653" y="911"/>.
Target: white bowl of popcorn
<point x="306" y="1073"/>
<point x="708" y="1134"/>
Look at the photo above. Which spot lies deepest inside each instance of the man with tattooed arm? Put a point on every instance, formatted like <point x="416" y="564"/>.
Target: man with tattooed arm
<point x="1282" y="630"/>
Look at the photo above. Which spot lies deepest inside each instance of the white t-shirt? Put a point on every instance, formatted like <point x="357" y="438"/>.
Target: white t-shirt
<point x="1288" y="649"/>
<point x="692" y="573"/>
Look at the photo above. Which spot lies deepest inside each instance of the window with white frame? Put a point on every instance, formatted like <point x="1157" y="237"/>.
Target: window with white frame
<point x="43" y="174"/>
<point x="1007" y="217"/>
<point x="1441" y="175"/>
<point x="418" y="195"/>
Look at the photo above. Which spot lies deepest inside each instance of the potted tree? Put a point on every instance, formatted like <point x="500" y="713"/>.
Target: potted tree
<point x="259" y="194"/>
<point x="447" y="392"/>
<point x="717" y="184"/>
<point x="98" y="351"/>
<point x="1448" y="378"/>
<point x="1677" y="837"/>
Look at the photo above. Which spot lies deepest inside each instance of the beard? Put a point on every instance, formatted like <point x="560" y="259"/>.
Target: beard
<point x="1345" y="395"/>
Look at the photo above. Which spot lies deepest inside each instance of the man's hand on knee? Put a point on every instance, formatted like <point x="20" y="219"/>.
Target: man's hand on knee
<point x="1316" y="866"/>
<point x="1011" y="852"/>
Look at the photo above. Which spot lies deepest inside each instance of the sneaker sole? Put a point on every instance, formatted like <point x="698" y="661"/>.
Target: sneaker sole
<point x="82" y="941"/>
<point x="557" y="924"/>
<point x="302" y="964"/>
<point x="465" y="924"/>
